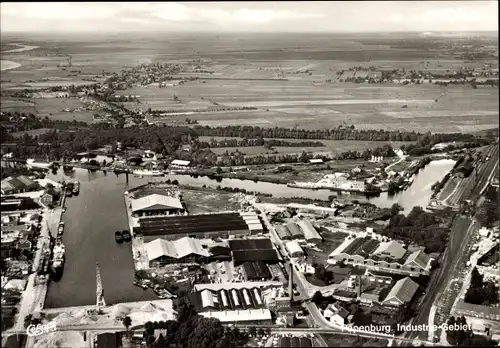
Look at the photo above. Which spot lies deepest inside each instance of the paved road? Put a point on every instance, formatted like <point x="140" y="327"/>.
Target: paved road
<point x="460" y="236"/>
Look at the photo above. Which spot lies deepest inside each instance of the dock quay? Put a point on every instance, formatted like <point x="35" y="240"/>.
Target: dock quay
<point x="139" y="253"/>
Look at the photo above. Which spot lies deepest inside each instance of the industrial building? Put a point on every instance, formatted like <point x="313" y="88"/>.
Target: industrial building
<point x="294" y="249"/>
<point x="251" y="250"/>
<point x="388" y="257"/>
<point x="294" y="341"/>
<point x="214" y="225"/>
<point x="18" y="184"/>
<point x="232" y="305"/>
<point x="401" y="293"/>
<point x="185" y="250"/>
<point x="309" y="231"/>
<point x="304" y="229"/>
<point x="156" y="204"/>
<point x="256" y="271"/>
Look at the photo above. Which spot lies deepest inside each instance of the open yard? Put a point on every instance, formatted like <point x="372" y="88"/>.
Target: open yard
<point x="200" y="201"/>
<point x="331" y="241"/>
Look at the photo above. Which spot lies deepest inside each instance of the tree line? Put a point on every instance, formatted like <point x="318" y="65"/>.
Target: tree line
<point x="259" y="141"/>
<point x="420" y="227"/>
<point x="339" y="133"/>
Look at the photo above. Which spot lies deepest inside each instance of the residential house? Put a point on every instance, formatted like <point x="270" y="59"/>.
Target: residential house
<point x="336" y="314"/>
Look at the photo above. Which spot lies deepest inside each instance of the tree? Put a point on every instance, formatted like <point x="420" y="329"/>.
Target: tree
<point x="317" y="298"/>
<point x="127" y="322"/>
<point x="219" y="170"/>
<point x="252" y="331"/>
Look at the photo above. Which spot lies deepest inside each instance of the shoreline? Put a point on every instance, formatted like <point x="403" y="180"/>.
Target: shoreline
<point x="8" y="65"/>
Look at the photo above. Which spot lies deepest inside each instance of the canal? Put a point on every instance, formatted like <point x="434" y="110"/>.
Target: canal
<point x="99" y="210"/>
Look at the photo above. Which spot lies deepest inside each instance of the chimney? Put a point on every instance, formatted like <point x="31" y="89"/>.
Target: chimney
<point x="359" y="286"/>
<point x="290" y="282"/>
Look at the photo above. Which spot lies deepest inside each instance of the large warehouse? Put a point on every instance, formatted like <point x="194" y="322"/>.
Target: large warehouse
<point x="156" y="204"/>
<point x="256" y="271"/>
<point x="185" y="250"/>
<point x="304" y="229"/>
<point x="220" y="225"/>
<point x="251" y="250"/>
<point x="233" y="305"/>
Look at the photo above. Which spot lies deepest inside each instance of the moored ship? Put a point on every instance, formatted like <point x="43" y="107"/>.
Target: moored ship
<point x="148" y="172"/>
<point x="57" y="262"/>
<point x="76" y="188"/>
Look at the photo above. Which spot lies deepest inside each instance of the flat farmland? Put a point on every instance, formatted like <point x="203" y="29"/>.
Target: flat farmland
<point x="53" y="109"/>
<point x="311" y="106"/>
<point x="244" y="71"/>
<point x="331" y="146"/>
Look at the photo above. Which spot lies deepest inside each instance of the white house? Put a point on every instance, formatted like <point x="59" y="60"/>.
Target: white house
<point x="336" y="314"/>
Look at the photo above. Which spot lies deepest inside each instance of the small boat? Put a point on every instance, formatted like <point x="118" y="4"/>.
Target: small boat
<point x="64" y="209"/>
<point x="126" y="236"/>
<point x="76" y="188"/>
<point x="60" y="229"/>
<point x="118" y="237"/>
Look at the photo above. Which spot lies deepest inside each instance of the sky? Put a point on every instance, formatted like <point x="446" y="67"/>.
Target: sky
<point x="258" y="16"/>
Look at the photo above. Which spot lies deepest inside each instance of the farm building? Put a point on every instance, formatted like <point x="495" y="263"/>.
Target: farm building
<point x="401" y="293"/>
<point x="220" y="225"/>
<point x="310" y="233"/>
<point x="256" y="271"/>
<point x="231" y="305"/>
<point x="294" y="249"/>
<point x="315" y="161"/>
<point x="250" y="250"/>
<point x="156" y="204"/>
<point x="185" y="250"/>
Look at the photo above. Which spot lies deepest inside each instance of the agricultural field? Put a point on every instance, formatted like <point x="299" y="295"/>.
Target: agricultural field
<point x="331" y="147"/>
<point x="288" y="86"/>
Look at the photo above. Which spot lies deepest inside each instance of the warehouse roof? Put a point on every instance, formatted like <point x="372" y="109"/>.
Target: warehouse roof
<point x="293" y="247"/>
<point x="249" y="244"/>
<point x="283" y="232"/>
<point x="180" y="163"/>
<point x="191" y="224"/>
<point x="240" y="315"/>
<point x="265" y="255"/>
<point x="294" y="229"/>
<point x="156" y="202"/>
<point x="392" y="249"/>
<point x="175" y="249"/>
<point x="418" y="258"/>
<point x="309" y="230"/>
<point x="403" y="291"/>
